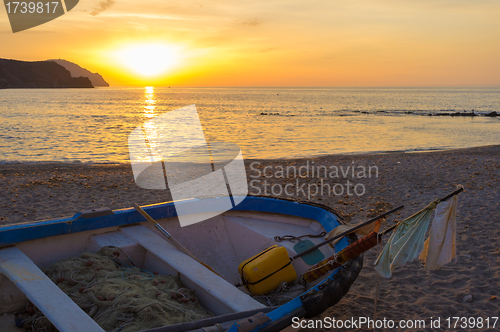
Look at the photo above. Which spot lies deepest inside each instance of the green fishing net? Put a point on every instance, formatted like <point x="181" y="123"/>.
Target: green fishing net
<point x="119" y="296"/>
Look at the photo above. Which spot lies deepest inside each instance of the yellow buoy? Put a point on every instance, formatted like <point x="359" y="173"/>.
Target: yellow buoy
<point x="264" y="272"/>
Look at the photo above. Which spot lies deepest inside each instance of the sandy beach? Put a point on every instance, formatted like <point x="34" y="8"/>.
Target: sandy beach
<point x="32" y="192"/>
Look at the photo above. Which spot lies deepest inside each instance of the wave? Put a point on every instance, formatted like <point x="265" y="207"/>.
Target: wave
<point x="67" y="162"/>
<point x="388" y="112"/>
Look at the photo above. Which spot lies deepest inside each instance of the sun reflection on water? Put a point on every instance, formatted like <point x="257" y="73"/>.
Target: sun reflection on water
<point x="149" y="102"/>
<point x="150" y="130"/>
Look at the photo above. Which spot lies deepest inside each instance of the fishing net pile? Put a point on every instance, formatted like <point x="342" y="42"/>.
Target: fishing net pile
<point x="119" y="296"/>
<point x="282" y="295"/>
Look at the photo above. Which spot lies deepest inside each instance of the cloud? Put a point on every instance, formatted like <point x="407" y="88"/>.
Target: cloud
<point x="253" y="22"/>
<point x="266" y="50"/>
<point x="102" y="6"/>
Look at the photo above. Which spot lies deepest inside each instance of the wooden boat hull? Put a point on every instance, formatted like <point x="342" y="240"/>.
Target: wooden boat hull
<point x="222" y="242"/>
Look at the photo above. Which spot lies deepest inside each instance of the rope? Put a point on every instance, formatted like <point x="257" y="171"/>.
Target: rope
<point x="283" y="294"/>
<point x="331" y="262"/>
<point x="293" y="239"/>
<point x="118" y="296"/>
<point x="283" y="287"/>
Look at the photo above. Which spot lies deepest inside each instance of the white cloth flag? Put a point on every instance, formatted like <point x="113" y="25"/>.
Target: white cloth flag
<point x="439" y="248"/>
<point x="405" y="243"/>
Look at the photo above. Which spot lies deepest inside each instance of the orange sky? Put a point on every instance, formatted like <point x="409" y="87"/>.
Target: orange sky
<point x="273" y="43"/>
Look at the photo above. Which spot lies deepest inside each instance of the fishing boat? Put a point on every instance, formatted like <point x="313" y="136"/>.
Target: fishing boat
<point x="222" y="243"/>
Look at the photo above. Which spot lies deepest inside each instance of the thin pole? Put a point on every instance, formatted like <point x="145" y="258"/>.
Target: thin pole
<point x="346" y="232"/>
<point x="170" y="237"/>
<point x="456" y="192"/>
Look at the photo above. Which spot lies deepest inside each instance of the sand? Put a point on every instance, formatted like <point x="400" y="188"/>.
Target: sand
<point x="42" y="191"/>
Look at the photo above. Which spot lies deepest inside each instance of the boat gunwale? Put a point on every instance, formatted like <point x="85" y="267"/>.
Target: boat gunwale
<point x="17" y="233"/>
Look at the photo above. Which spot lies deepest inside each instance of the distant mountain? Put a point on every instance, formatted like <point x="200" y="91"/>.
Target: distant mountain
<point x="38" y="74"/>
<point x="77" y="71"/>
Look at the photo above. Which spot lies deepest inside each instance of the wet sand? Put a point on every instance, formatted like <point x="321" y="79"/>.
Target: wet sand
<point x="32" y="192"/>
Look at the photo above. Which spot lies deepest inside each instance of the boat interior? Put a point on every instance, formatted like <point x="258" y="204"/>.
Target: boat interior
<point x="222" y="242"/>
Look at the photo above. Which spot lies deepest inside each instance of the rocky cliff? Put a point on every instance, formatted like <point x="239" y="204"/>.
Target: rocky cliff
<point x="77" y="71"/>
<point x="38" y="74"/>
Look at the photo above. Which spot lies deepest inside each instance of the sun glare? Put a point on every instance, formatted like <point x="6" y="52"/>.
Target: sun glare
<point x="149" y="59"/>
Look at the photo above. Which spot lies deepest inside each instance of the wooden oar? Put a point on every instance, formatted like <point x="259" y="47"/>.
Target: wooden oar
<point x="169" y="237"/>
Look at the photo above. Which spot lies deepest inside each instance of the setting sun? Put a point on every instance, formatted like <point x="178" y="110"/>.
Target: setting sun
<point x="148" y="59"/>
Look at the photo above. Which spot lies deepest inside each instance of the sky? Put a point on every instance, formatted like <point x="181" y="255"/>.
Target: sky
<point x="266" y="43"/>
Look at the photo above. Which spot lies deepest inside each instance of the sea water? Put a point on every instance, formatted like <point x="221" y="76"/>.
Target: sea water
<point x="93" y="125"/>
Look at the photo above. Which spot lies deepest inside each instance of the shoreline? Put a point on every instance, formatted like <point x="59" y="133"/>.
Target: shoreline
<point x="349" y="154"/>
<point x="376" y="153"/>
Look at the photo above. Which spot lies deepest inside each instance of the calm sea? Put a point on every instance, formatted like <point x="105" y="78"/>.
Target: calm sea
<point x="93" y="125"/>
